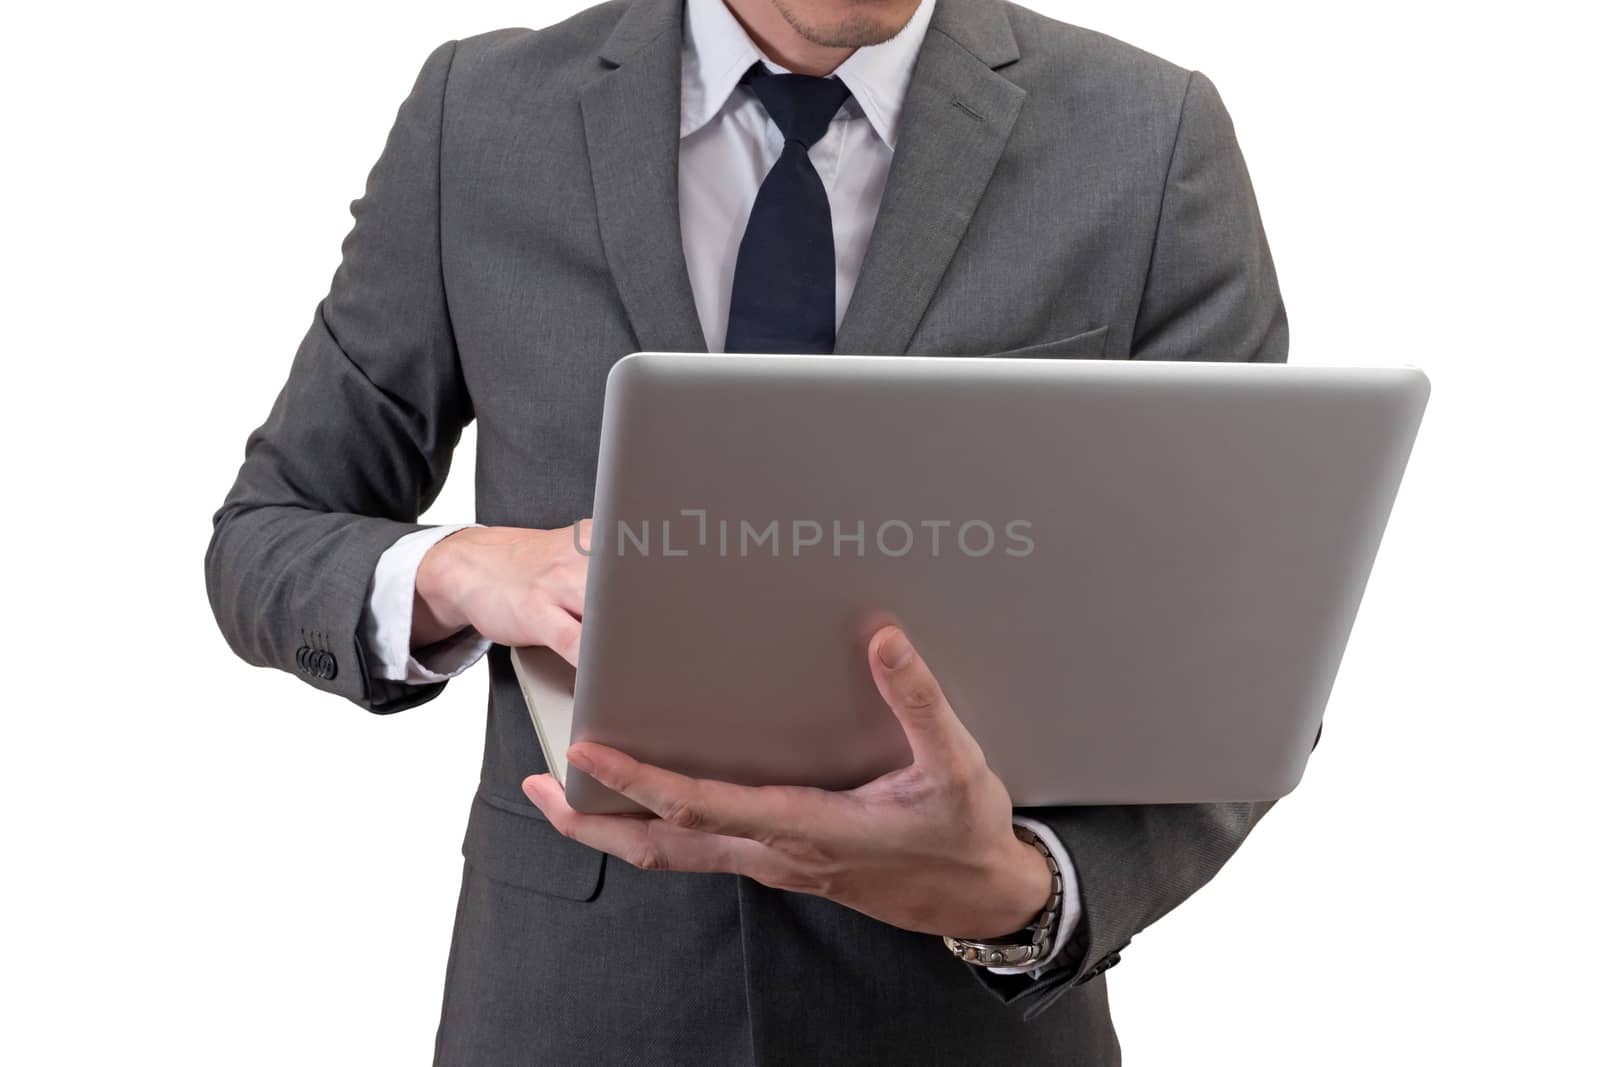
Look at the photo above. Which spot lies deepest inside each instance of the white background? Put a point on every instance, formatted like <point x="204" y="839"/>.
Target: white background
<point x="206" y="863"/>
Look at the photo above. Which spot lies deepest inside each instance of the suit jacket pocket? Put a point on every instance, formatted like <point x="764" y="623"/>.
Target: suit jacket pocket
<point x="523" y="849"/>
<point x="1091" y="344"/>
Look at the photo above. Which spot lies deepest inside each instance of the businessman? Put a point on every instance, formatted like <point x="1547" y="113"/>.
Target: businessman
<point x="861" y="176"/>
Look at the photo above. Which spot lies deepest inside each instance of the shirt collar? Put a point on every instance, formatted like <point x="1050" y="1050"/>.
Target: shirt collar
<point x="717" y="52"/>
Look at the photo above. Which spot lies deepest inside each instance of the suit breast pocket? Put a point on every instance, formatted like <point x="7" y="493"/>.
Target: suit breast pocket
<point x="1091" y="344"/>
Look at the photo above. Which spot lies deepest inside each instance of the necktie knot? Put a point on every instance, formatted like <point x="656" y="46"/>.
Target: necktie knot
<point x="801" y="105"/>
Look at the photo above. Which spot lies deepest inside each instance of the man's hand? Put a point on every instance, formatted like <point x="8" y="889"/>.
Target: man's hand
<point x="515" y="587"/>
<point x="928" y="847"/>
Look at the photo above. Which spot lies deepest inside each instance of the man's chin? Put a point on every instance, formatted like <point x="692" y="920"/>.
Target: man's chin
<point x="857" y="25"/>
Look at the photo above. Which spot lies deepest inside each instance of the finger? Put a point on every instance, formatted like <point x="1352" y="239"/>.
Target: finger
<point x="568" y="596"/>
<point x="760" y="813"/>
<point x="568" y="582"/>
<point x="581" y="532"/>
<point x="558" y="631"/>
<point x="907" y="685"/>
<point x="646" y="843"/>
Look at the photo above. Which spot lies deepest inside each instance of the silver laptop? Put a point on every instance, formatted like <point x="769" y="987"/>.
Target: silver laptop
<point x="1134" y="581"/>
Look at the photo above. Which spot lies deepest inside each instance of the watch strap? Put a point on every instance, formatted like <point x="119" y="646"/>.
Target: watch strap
<point x="1033" y="941"/>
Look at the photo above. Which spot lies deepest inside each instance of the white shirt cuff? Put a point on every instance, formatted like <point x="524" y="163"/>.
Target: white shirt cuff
<point x="386" y="618"/>
<point x="1071" y="904"/>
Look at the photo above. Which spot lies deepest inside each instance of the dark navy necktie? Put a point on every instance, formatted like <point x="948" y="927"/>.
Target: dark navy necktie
<point x="783" y="280"/>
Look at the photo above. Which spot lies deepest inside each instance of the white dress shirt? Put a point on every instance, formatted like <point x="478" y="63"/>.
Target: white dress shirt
<point x="726" y="146"/>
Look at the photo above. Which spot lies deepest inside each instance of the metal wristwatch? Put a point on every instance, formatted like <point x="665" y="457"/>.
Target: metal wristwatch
<point x="1032" y="942"/>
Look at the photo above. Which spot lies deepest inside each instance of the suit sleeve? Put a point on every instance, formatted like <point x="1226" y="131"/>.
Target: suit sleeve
<point x="359" y="440"/>
<point x="1211" y="294"/>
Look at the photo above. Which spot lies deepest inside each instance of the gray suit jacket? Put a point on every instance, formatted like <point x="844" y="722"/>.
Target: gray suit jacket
<point x="1054" y="191"/>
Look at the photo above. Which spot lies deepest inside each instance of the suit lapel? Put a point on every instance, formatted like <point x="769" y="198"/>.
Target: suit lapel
<point x="955" y="123"/>
<point x="630" y="122"/>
